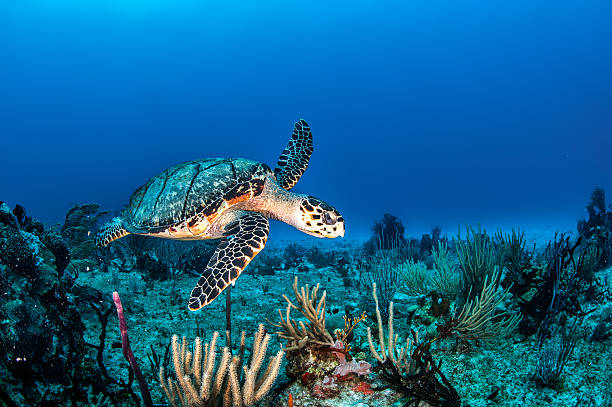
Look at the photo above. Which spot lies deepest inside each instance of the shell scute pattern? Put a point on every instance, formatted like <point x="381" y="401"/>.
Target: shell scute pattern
<point x="149" y="201"/>
<point x="207" y="188"/>
<point x="193" y="194"/>
<point x="159" y="202"/>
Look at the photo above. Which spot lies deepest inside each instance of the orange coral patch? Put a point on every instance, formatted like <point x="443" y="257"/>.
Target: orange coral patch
<point x="363" y="387"/>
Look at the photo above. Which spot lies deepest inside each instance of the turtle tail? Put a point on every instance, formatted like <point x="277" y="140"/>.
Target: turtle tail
<point x="110" y="231"/>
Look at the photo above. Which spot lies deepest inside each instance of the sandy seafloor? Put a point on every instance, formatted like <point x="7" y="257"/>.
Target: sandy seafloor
<point x="152" y="320"/>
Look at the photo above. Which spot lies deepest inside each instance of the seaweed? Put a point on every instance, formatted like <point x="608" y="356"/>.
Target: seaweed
<point x="596" y="230"/>
<point x="411" y="370"/>
<point x="554" y="353"/>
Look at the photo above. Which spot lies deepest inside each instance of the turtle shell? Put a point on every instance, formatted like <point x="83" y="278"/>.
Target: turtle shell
<point x="193" y="191"/>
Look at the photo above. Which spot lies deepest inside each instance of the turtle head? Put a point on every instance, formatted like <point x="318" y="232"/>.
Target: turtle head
<point x="319" y="219"/>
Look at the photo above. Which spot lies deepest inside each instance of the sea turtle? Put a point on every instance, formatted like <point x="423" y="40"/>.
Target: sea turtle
<point x="230" y="198"/>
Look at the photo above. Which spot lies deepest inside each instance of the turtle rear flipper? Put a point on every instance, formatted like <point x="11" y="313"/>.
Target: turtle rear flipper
<point x="110" y="231"/>
<point x="249" y="234"/>
<point x="294" y="160"/>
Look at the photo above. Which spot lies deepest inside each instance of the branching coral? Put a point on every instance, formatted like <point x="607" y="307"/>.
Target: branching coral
<point x="344" y="334"/>
<point x="384" y="269"/>
<point x="597" y="229"/>
<point x="479" y="318"/>
<point x="197" y="384"/>
<point x="446" y="279"/>
<point x="401" y="361"/>
<point x="300" y="334"/>
<point x="415" y="279"/>
<point x="320" y="363"/>
<point x="388" y="232"/>
<point x="554" y="354"/>
<point x="478" y="259"/>
<point x="514" y="249"/>
<point x="412" y="369"/>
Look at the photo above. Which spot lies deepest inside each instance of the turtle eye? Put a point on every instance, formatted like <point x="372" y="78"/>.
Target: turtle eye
<point x="329" y="218"/>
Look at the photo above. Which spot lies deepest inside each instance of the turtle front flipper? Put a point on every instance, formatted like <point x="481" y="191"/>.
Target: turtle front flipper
<point x="248" y="235"/>
<point x="110" y="231"/>
<point x="294" y="160"/>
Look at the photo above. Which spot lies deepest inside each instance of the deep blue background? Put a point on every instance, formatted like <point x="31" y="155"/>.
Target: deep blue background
<point x="441" y="112"/>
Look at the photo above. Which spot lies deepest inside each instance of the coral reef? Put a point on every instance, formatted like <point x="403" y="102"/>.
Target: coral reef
<point x="387" y="234"/>
<point x="597" y="229"/>
<point x="411" y="369"/>
<point x="44" y="356"/>
<point x="554" y="354"/>
<point x="79" y="224"/>
<point x="479" y="259"/>
<point x="41" y="338"/>
<point x="197" y="384"/>
<point x="452" y="303"/>
<point x="480" y="319"/>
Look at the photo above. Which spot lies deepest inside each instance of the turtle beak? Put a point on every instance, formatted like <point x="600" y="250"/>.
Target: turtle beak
<point x="340" y="229"/>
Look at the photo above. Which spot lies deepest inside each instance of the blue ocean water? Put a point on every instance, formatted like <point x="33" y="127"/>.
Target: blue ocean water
<point x="441" y="113"/>
<point x="424" y="114"/>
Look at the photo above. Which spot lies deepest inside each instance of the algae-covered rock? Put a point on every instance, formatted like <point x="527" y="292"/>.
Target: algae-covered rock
<point x="17" y="252"/>
<point x="152" y="267"/>
<point x="56" y="244"/>
<point x="41" y="332"/>
<point x="47" y="280"/>
<point x="27" y="339"/>
<point x="24" y="243"/>
<point x="311" y="362"/>
<point x="6" y="216"/>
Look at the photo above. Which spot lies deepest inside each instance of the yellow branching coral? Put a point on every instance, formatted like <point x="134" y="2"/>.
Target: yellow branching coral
<point x="349" y="324"/>
<point x="196" y="384"/>
<point x="299" y="334"/>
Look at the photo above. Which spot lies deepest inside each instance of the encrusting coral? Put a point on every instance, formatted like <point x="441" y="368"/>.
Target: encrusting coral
<point x="194" y="373"/>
